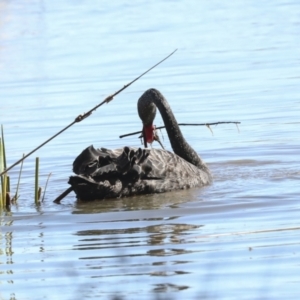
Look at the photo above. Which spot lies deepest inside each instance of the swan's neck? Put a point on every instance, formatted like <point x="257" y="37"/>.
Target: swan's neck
<point x="146" y="109"/>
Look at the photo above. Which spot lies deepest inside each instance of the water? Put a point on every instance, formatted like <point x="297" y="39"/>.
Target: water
<point x="236" y="239"/>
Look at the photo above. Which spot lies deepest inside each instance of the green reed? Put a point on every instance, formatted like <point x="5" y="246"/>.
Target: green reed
<point x="36" y="186"/>
<point x="3" y="148"/>
<point x="5" y="180"/>
<point x="3" y="177"/>
<point x="5" y="199"/>
<point x="4" y="190"/>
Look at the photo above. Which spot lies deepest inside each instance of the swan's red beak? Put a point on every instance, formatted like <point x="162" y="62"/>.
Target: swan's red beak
<point x="148" y="132"/>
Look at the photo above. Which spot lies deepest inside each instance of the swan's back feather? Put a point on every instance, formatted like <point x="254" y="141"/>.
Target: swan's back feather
<point x="104" y="173"/>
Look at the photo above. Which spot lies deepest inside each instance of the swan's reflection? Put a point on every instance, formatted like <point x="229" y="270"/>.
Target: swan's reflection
<point x="153" y="247"/>
<point x="146" y="202"/>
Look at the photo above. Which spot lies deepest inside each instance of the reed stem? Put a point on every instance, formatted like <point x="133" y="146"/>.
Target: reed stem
<point x="19" y="179"/>
<point x="4" y="190"/>
<point x="3" y="148"/>
<point x="2" y="176"/>
<point x="36" y="188"/>
<point x="1" y="197"/>
<point x="8" y="184"/>
<point x="46" y="186"/>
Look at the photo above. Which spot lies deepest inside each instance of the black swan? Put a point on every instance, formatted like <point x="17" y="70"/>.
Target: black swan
<point x="103" y="173"/>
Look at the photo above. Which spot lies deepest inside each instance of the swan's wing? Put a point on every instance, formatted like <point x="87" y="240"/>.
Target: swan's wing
<point x="104" y="173"/>
<point x="166" y="164"/>
<point x="173" y="172"/>
<point x="88" y="160"/>
<point x="97" y="162"/>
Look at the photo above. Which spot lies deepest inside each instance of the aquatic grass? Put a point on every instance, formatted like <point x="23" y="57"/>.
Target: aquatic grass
<point x="2" y="198"/>
<point x="8" y="197"/>
<point x="5" y="179"/>
<point x="36" y="186"/>
<point x="1" y="158"/>
<point x="3" y="148"/>
<point x="6" y="184"/>
<point x="5" y="199"/>
<point x="4" y="190"/>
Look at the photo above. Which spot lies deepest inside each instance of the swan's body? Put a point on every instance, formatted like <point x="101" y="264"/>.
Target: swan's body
<point x="103" y="173"/>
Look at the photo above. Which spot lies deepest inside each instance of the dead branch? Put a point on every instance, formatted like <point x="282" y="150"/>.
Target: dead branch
<point x="183" y="124"/>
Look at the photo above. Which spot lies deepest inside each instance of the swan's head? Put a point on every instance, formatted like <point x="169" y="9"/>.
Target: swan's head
<point x="147" y="112"/>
